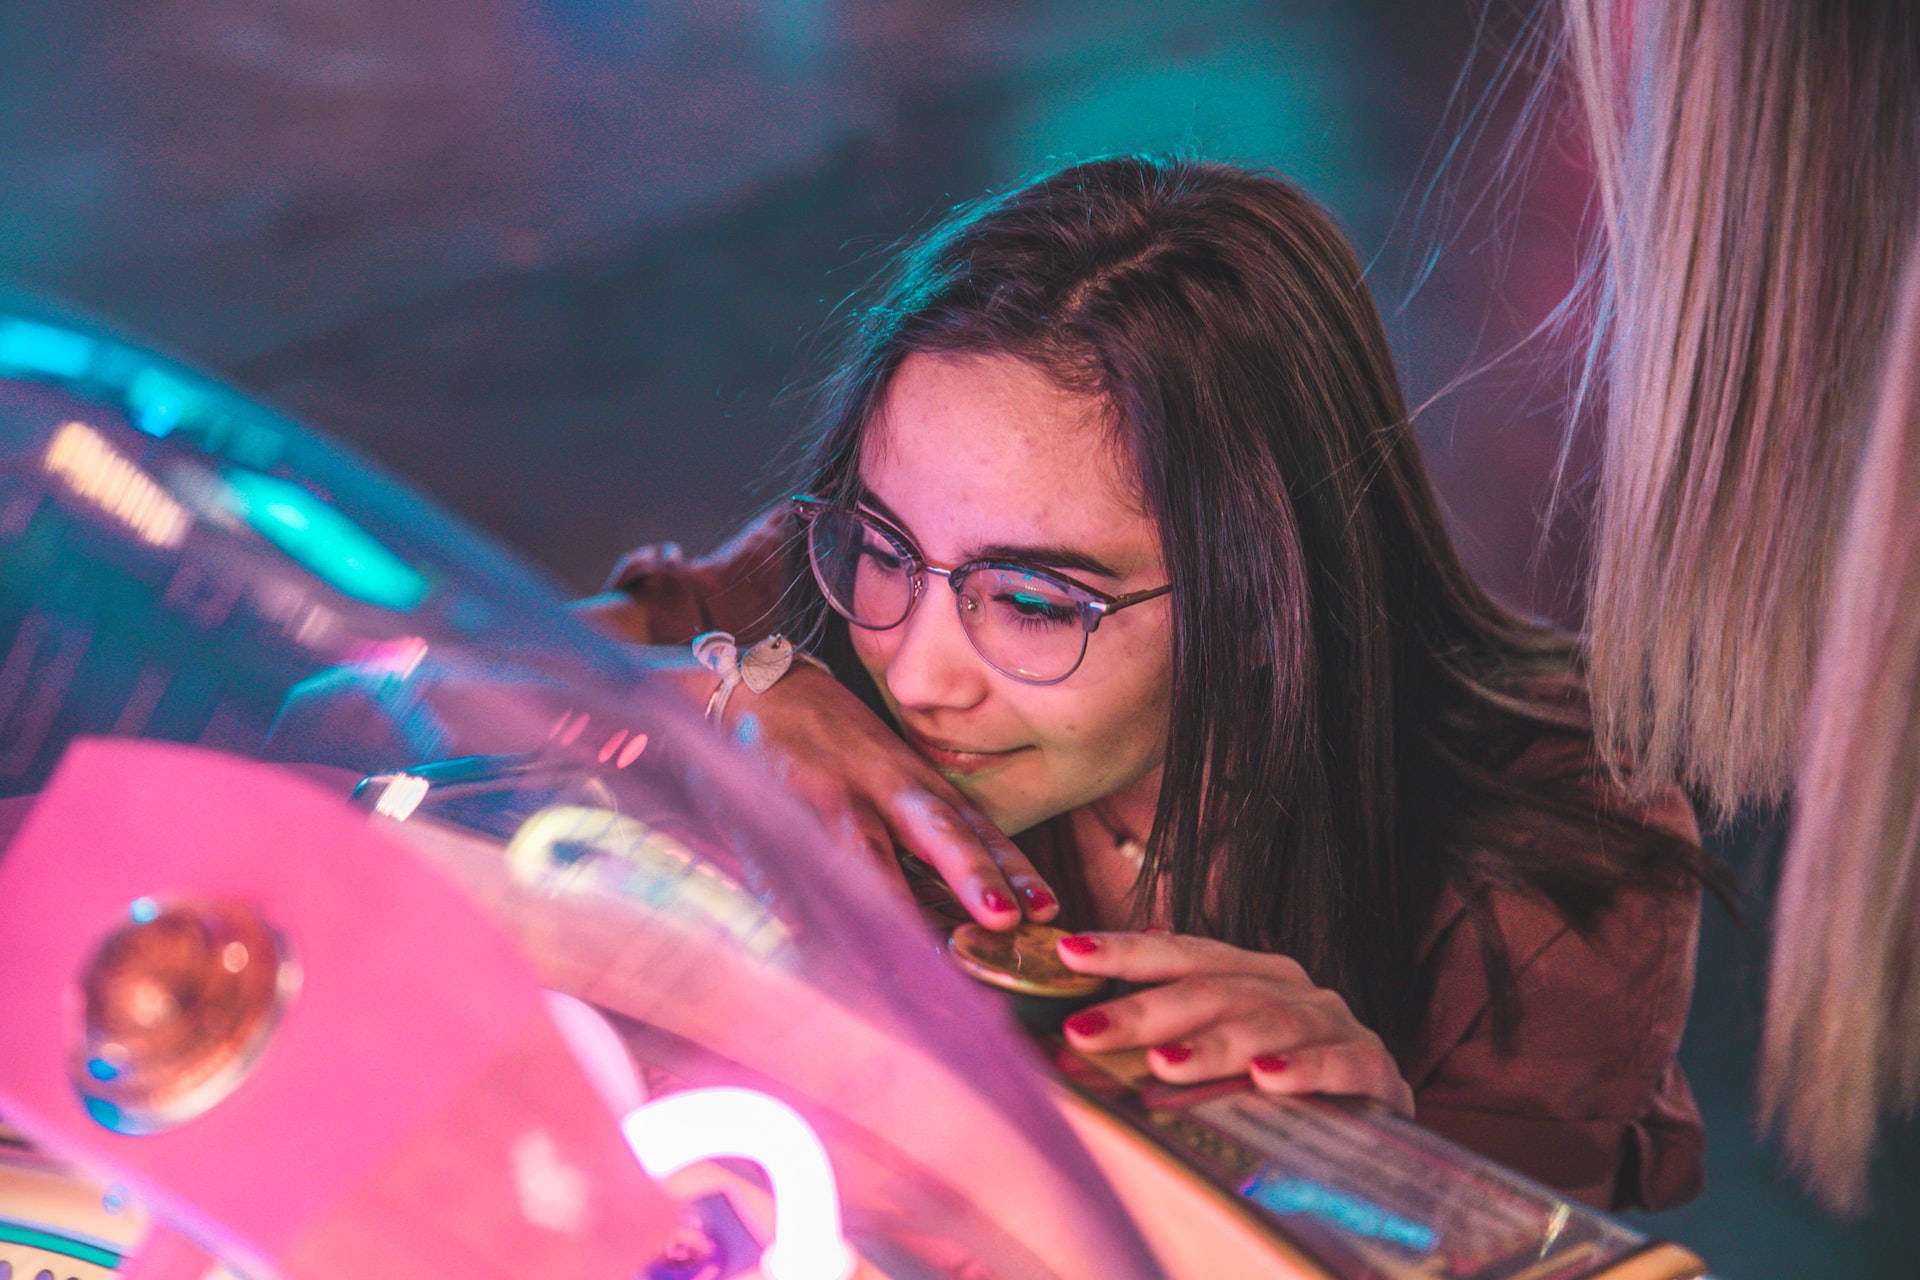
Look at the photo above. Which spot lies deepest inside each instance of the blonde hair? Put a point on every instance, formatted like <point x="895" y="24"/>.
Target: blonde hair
<point x="1756" y="163"/>
<point x="1843" y="1002"/>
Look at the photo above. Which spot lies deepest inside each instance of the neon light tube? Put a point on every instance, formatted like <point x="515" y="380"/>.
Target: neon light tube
<point x="685" y="1128"/>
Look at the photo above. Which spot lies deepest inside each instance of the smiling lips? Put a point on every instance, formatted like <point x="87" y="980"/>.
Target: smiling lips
<point x="950" y="759"/>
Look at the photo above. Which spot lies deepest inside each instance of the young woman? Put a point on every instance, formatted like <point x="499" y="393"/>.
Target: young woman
<point x="1116" y="524"/>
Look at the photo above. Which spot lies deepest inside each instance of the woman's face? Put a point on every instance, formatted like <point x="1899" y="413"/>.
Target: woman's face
<point x="976" y="452"/>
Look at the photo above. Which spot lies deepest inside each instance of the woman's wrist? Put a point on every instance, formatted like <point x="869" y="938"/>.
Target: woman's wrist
<point x="675" y="667"/>
<point x="750" y="671"/>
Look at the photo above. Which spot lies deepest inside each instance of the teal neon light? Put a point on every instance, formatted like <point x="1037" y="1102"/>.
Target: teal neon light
<point x="158" y="402"/>
<point x="41" y="348"/>
<point x="66" y="1246"/>
<point x="1343" y="1209"/>
<point x="320" y="538"/>
<point x="1303" y="99"/>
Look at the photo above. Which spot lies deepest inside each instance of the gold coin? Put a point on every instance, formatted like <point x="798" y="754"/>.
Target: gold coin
<point x="1023" y="960"/>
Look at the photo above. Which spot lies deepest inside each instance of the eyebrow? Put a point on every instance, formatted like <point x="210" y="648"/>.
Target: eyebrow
<point x="1040" y="556"/>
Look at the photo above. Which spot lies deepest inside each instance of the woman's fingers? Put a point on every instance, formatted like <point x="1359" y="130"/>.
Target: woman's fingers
<point x="1286" y="1049"/>
<point x="1354" y="1068"/>
<point x="1029" y="886"/>
<point x="988" y="877"/>
<point x="841" y="758"/>
<point x="1163" y="957"/>
<point x="1221" y="1011"/>
<point x="1222" y="1019"/>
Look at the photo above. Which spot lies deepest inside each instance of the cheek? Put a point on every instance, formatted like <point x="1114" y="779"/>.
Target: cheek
<point x="1112" y="731"/>
<point x="874" y="649"/>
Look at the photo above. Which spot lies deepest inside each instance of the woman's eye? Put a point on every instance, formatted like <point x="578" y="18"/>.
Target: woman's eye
<point x="1034" y="608"/>
<point x="883" y="556"/>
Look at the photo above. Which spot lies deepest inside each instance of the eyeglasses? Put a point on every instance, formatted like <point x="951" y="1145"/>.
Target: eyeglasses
<point x="1028" y="623"/>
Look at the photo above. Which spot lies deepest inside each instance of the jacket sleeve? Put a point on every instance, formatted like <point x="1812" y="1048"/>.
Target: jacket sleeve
<point x="655" y="595"/>
<point x="1588" y="1096"/>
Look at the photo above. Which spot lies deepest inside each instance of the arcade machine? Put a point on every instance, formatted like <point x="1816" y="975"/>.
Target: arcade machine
<point x="364" y="913"/>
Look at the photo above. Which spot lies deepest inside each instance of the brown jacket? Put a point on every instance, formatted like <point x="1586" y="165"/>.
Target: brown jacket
<point x="1590" y="1098"/>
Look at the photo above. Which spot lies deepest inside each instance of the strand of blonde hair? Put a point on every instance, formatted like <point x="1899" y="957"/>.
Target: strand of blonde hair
<point x="1842" y="1042"/>
<point x="1732" y="191"/>
<point x="1757" y="164"/>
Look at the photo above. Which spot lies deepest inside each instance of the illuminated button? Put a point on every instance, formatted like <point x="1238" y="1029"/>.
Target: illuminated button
<point x="1025" y="960"/>
<point x="179" y="1002"/>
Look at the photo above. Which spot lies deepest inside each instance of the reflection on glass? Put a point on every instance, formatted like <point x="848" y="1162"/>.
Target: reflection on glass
<point x="323" y="540"/>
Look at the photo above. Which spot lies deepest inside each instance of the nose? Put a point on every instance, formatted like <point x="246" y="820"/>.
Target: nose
<point x="933" y="664"/>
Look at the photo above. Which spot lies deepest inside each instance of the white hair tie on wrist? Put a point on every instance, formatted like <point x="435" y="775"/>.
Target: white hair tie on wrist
<point x="759" y="668"/>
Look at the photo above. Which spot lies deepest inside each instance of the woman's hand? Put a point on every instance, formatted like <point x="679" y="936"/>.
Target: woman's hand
<point x="874" y="791"/>
<point x="1218" y="1011"/>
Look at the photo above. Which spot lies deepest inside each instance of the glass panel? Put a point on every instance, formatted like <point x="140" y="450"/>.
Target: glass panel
<point x="180" y="565"/>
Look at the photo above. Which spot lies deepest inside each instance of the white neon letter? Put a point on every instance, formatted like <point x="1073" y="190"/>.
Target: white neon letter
<point x="684" y="1128"/>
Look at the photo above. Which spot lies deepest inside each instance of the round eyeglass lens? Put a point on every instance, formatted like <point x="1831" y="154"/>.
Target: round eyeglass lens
<point x="864" y="573"/>
<point x="1025" y="623"/>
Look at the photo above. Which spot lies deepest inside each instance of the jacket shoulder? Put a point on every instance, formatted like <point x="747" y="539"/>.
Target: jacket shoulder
<point x="1586" y="1094"/>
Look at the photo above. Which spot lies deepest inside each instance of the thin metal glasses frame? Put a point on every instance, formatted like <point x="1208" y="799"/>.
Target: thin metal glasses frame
<point x="807" y="507"/>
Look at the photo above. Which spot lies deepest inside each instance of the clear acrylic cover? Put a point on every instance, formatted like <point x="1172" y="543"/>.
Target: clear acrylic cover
<point x="180" y="564"/>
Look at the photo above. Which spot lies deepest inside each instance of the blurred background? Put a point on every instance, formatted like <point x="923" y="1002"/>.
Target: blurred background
<point x="570" y="266"/>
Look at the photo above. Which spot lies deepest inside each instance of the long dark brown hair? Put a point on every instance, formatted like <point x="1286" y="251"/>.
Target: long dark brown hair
<point x="1346" y="700"/>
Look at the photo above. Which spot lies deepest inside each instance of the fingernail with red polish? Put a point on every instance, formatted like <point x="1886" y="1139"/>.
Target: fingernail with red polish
<point x="1038" y="898"/>
<point x="1271" y="1063"/>
<point x="994" y="900"/>
<point x="1175" y="1053"/>
<point x="1080" y="944"/>
<point x="1088" y="1022"/>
